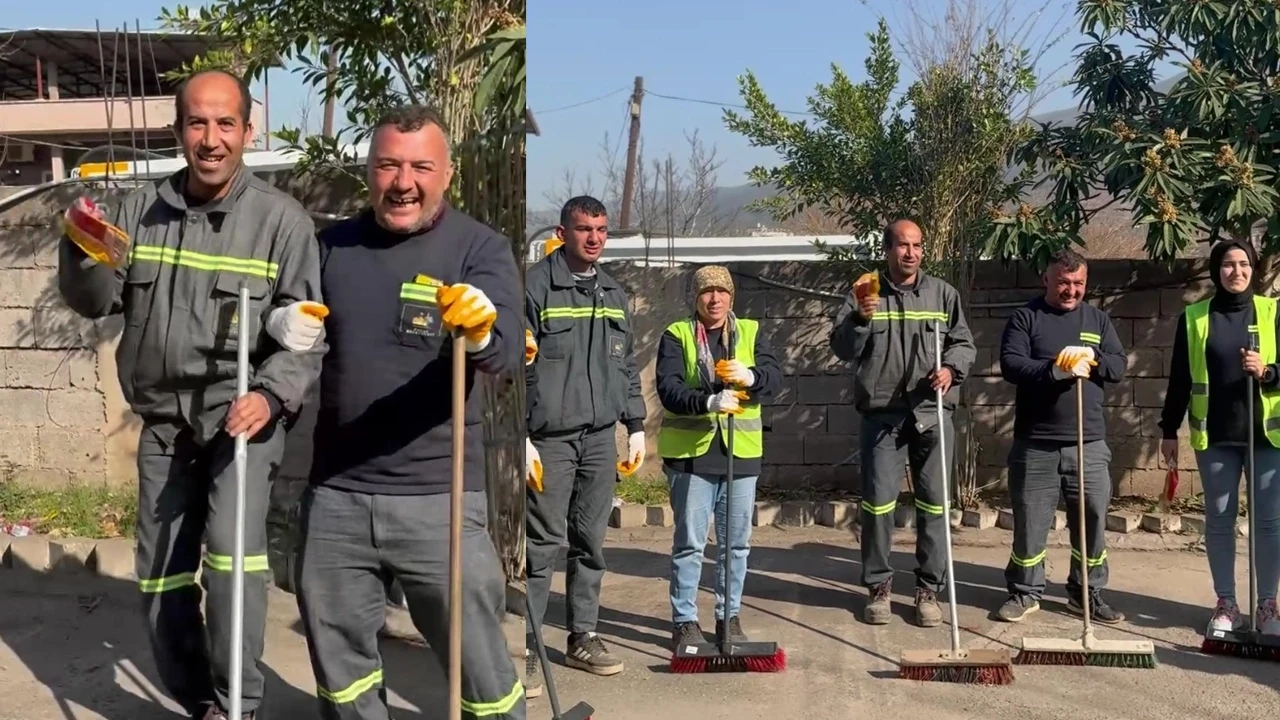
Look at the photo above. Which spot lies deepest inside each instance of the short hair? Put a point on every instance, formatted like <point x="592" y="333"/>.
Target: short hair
<point x="584" y="204"/>
<point x="1067" y="260"/>
<point x="180" y="97"/>
<point x="893" y="230"/>
<point x="411" y="118"/>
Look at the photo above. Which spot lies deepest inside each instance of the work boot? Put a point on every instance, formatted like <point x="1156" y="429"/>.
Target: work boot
<point x="928" y="614"/>
<point x="1017" y="607"/>
<point x="532" y="676"/>
<point x="1226" y="616"/>
<point x="687" y="633"/>
<point x="587" y="652"/>
<point x="1268" y="618"/>
<point x="879" y="610"/>
<point x="1098" y="608"/>
<point x="735" y="630"/>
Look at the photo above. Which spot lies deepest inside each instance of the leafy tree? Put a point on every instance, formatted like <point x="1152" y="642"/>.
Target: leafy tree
<point x="1197" y="161"/>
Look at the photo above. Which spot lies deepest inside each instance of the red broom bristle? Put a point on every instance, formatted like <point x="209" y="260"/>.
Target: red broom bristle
<point x="1243" y="650"/>
<point x="972" y="675"/>
<point x="776" y="663"/>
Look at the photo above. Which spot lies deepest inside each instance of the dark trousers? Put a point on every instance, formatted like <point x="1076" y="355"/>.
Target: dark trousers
<point x="354" y="542"/>
<point x="579" y="477"/>
<point x="1041" y="473"/>
<point x="889" y="445"/>
<point x="186" y="496"/>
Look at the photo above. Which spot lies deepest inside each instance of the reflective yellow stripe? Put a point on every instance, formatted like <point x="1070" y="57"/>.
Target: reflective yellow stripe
<point x="882" y="315"/>
<point x="931" y="509"/>
<point x="879" y="509"/>
<point x="1093" y="562"/>
<point x="583" y="313"/>
<point x="201" y="261"/>
<point x="165" y="584"/>
<point x="1032" y="561"/>
<point x="1088" y="337"/>
<point x="222" y="563"/>
<point x="352" y="691"/>
<point x="497" y="707"/>
<point x="419" y="292"/>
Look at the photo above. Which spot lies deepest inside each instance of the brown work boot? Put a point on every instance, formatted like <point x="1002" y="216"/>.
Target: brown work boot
<point x="878" y="610"/>
<point x="928" y="614"/>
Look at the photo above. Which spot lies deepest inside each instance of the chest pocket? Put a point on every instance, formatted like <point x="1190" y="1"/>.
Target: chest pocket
<point x="418" y="323"/>
<point x="557" y="334"/>
<point x="616" y="331"/>
<point x="225" y="309"/>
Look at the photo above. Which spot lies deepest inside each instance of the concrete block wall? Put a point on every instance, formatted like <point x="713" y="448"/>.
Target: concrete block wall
<point x="812" y="428"/>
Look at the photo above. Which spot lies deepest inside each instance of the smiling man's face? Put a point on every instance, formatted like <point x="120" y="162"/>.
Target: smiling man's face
<point x="213" y="131"/>
<point x="408" y="175"/>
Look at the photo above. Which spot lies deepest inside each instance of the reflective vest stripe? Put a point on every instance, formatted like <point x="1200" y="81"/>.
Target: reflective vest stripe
<point x="690" y="436"/>
<point x="1264" y="325"/>
<point x="202" y="261"/>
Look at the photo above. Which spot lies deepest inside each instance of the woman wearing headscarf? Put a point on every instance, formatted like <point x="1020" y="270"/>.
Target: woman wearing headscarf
<point x="711" y="364"/>
<point x="1220" y="343"/>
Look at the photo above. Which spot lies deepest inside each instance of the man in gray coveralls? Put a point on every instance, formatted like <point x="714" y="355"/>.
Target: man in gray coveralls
<point x="195" y="236"/>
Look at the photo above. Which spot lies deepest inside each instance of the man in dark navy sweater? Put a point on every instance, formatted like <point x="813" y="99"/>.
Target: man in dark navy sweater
<point x="1047" y="344"/>
<point x="378" y="505"/>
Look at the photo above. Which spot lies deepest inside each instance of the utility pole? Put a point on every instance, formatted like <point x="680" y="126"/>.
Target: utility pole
<point x="327" y="129"/>
<point x="633" y="143"/>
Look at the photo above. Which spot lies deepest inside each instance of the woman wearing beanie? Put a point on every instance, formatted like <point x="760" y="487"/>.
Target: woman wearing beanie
<point x="1208" y="376"/>
<point x="698" y="391"/>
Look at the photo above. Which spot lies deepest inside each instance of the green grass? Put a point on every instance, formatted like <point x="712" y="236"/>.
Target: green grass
<point x="646" y="488"/>
<point x="77" y="511"/>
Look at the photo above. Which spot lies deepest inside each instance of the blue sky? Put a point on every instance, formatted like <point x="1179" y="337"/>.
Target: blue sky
<point x="579" y="50"/>
<point x="288" y="93"/>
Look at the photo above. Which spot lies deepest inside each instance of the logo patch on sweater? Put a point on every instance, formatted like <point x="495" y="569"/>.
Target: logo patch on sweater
<point x="421" y="320"/>
<point x="617" y="345"/>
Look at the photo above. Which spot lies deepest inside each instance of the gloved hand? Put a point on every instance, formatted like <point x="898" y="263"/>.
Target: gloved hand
<point x="297" y="326"/>
<point x="468" y="309"/>
<point x="530" y="347"/>
<point x="635" y="454"/>
<point x="1076" y="360"/>
<point x="532" y="466"/>
<point x="85" y="224"/>
<point x="733" y="372"/>
<point x="726" y="401"/>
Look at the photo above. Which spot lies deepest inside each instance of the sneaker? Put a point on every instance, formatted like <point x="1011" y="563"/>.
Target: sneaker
<point x="1017" y="607"/>
<point x="735" y="630"/>
<point x="1098" y="608"/>
<point x="878" y="610"/>
<point x="1268" y="618"/>
<point x="687" y="633"/>
<point x="532" y="676"/>
<point x="587" y="652"/>
<point x="928" y="613"/>
<point x="1226" y="616"/>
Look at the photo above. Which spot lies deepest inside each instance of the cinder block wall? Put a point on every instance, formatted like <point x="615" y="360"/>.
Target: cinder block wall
<point x="811" y="435"/>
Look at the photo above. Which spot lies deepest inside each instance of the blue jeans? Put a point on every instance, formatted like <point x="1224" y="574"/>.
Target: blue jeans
<point x="1221" y="467"/>
<point x="692" y="499"/>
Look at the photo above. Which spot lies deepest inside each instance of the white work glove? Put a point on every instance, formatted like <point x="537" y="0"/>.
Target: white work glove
<point x="726" y="401"/>
<point x="468" y="309"/>
<point x="532" y="466"/>
<point x="733" y="372"/>
<point x="295" y="329"/>
<point x="635" y="450"/>
<point x="1076" y="361"/>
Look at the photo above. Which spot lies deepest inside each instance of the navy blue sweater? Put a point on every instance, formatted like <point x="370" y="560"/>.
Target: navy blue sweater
<point x="384" y="424"/>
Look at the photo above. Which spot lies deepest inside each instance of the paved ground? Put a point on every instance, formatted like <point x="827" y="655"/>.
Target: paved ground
<point x="72" y="649"/>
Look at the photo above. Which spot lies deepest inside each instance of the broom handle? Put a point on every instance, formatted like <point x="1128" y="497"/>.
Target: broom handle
<point x="1087" y="638"/>
<point x="455" y="526"/>
<point x="728" y="513"/>
<point x="946" y="495"/>
<point x="1248" y="489"/>
<point x="243" y="337"/>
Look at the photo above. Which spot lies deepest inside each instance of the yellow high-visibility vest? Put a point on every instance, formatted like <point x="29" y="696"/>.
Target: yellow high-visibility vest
<point x="690" y="436"/>
<point x="1264" y="324"/>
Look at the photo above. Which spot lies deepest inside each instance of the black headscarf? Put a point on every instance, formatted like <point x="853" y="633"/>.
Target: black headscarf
<point x="1224" y="298"/>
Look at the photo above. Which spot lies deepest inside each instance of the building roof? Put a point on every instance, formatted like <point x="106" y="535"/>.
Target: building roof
<point x="83" y="57"/>
<point x="530" y="124"/>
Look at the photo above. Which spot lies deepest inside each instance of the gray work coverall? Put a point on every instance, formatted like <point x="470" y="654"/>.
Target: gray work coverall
<point x="178" y="291"/>
<point x="893" y="355"/>
<point x="583" y="382"/>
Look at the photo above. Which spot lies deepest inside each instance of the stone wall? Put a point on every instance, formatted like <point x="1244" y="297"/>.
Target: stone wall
<point x="811" y="428"/>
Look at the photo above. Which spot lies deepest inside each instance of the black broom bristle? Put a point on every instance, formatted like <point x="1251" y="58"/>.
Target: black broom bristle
<point x="968" y="674"/>
<point x="720" y="664"/>
<point x="1249" y="651"/>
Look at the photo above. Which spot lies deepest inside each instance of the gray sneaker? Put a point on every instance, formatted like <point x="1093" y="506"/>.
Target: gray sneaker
<point x="878" y="610"/>
<point x="686" y="633"/>
<point x="1017" y="607"/>
<point x="587" y="652"/>
<point x="928" y="613"/>
<point x="532" y="675"/>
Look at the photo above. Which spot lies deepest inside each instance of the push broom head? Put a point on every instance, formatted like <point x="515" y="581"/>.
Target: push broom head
<point x="972" y="667"/>
<point x="1100" y="653"/>
<point x="581" y="711"/>
<point x="1252" y="646"/>
<point x="761" y="657"/>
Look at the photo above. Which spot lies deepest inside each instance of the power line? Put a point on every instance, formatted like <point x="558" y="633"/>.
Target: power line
<point x="606" y="96"/>
<point x="717" y="104"/>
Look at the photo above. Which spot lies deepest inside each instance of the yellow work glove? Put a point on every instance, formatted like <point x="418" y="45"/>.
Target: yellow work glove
<point x="635" y="454"/>
<point x="530" y="347"/>
<point x="727" y="401"/>
<point x="1076" y="361"/>
<point x="734" y="372"/>
<point x="468" y="309"/>
<point x="532" y="466"/>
